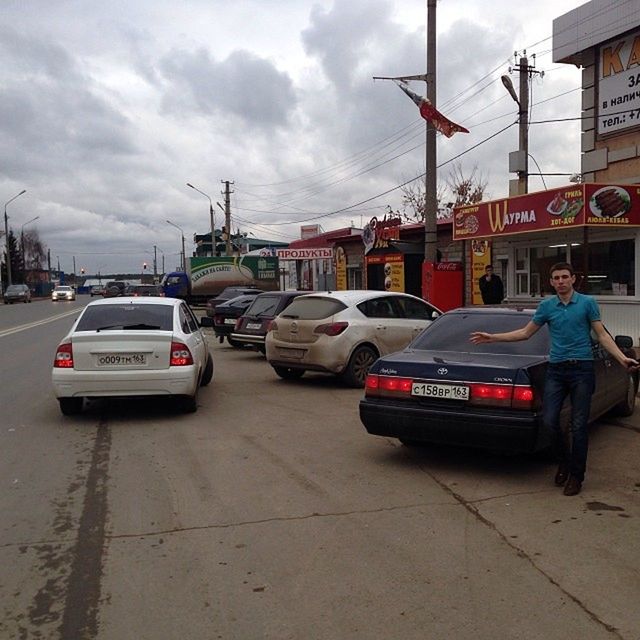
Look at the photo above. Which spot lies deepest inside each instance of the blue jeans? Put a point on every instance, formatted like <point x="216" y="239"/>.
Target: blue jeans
<point x="577" y="381"/>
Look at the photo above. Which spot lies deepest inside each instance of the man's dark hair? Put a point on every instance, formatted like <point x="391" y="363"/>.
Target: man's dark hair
<point x="489" y="266"/>
<point x="561" y="266"/>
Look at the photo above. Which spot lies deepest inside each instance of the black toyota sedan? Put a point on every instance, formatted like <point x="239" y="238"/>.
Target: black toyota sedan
<point x="444" y="389"/>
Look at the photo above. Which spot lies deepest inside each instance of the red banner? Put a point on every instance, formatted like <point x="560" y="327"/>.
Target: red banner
<point x="576" y="205"/>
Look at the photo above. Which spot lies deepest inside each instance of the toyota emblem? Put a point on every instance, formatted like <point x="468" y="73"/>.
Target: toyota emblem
<point x="442" y="371"/>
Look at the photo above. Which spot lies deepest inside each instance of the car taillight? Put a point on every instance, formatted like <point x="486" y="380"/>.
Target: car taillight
<point x="238" y="324"/>
<point x="180" y="355"/>
<point x="501" y="395"/>
<point x="218" y="320"/>
<point x="64" y="356"/>
<point x="377" y="386"/>
<point x="331" y="328"/>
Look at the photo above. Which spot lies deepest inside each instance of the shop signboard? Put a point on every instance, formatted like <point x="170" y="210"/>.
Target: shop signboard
<point x="393" y="270"/>
<point x="378" y="232"/>
<point x="588" y="204"/>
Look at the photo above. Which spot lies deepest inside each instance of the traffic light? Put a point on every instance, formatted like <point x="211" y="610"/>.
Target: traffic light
<point x="81" y="271"/>
<point x="144" y="265"/>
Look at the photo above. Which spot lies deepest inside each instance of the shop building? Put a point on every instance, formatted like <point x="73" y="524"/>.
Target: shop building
<point x="593" y="224"/>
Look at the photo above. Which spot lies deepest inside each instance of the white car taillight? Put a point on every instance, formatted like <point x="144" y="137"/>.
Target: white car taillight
<point x="180" y="355"/>
<point x="64" y="356"/>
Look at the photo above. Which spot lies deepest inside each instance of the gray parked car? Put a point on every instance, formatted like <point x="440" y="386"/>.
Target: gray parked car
<point x="17" y="293"/>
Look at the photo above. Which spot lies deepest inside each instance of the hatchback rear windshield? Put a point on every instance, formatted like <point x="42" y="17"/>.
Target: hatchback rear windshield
<point x="313" y="308"/>
<point x="451" y="333"/>
<point x="126" y="316"/>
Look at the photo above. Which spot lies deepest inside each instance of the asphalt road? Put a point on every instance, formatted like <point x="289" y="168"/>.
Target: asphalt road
<point x="271" y="514"/>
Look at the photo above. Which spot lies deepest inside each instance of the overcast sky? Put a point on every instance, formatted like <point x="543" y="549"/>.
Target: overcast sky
<point x="108" y="109"/>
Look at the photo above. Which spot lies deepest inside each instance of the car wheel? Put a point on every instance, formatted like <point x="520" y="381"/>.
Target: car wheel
<point x="626" y="407"/>
<point x="234" y="343"/>
<point x="70" y="406"/>
<point x="407" y="442"/>
<point x="189" y="404"/>
<point x="287" y="373"/>
<point x="207" y="374"/>
<point x="356" y="371"/>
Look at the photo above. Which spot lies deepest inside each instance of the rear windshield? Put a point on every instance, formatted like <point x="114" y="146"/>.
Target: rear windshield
<point x="451" y="333"/>
<point x="313" y="308"/>
<point x="126" y="316"/>
<point x="264" y="305"/>
<point x="148" y="288"/>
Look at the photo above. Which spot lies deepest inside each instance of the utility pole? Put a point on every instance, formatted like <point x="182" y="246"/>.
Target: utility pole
<point x="431" y="178"/>
<point x="155" y="264"/>
<point x="227" y="216"/>
<point x="519" y="160"/>
<point x="49" y="262"/>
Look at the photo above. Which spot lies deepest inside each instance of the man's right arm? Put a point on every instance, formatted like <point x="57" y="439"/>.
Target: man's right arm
<point x="480" y="337"/>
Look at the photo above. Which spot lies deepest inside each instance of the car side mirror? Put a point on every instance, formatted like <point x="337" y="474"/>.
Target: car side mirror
<point x="624" y="342"/>
<point x="434" y="315"/>
<point x="206" y="321"/>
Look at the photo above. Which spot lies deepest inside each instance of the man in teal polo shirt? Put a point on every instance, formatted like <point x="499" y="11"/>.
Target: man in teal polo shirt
<point x="571" y="316"/>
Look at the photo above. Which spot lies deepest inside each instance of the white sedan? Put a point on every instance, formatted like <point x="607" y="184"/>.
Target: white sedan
<point x="132" y="347"/>
<point x="62" y="292"/>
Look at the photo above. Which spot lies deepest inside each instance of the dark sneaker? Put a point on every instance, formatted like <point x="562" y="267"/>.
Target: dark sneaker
<point x="573" y="486"/>
<point x="561" y="476"/>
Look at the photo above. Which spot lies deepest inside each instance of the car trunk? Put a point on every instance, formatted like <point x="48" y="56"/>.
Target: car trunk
<point x="96" y="351"/>
<point x="298" y="331"/>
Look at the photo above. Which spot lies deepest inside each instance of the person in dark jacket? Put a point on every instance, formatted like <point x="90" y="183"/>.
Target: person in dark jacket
<point x="491" y="287"/>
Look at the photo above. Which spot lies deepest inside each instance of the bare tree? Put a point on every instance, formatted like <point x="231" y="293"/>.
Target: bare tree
<point x="457" y="190"/>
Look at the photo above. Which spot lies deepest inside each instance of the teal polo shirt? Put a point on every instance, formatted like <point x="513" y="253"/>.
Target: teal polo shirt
<point x="569" y="326"/>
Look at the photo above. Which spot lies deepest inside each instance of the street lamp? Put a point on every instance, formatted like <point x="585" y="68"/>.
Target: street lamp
<point x="24" y="262"/>
<point x="173" y="224"/>
<point x="213" y="230"/>
<point x="6" y="232"/>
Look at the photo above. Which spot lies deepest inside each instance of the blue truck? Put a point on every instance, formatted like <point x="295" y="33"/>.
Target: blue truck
<point x="206" y="277"/>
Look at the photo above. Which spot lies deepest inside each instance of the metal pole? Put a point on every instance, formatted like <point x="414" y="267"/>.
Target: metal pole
<point x="7" y="250"/>
<point x="227" y="216"/>
<point x="155" y="264"/>
<point x="430" y="181"/>
<point x="184" y="257"/>
<point x="523" y="119"/>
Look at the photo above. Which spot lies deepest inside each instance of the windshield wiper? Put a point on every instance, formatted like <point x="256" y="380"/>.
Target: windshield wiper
<point x="109" y="326"/>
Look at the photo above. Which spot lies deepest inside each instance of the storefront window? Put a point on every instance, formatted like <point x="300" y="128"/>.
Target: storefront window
<point x="611" y="267"/>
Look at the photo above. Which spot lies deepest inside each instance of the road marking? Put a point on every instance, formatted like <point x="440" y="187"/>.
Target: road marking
<point x="37" y="323"/>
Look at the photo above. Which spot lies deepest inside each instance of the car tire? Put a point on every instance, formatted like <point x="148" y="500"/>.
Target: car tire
<point x="207" y="374"/>
<point x="408" y="442"/>
<point x="627" y="406"/>
<point x="287" y="373"/>
<point x="359" y="364"/>
<point x="189" y="404"/>
<point x="234" y="343"/>
<point x="70" y="406"/>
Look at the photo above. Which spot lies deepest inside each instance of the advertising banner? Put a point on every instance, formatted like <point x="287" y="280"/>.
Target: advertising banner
<point x="393" y="270"/>
<point x="565" y="207"/>
<point x="480" y="258"/>
<point x="209" y="274"/>
<point x="341" y="269"/>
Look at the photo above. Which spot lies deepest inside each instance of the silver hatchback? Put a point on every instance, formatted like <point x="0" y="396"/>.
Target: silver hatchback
<point x="344" y="332"/>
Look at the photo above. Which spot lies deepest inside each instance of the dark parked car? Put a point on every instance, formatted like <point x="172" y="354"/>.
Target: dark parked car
<point x="444" y="389"/>
<point x="17" y="293"/>
<point x="226" y="315"/>
<point x="228" y="293"/>
<point x="144" y="290"/>
<point x="114" y="288"/>
<point x="251" y="328"/>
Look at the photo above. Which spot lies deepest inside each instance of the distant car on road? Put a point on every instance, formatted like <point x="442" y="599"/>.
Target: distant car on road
<point x="17" y="293"/>
<point x="96" y="290"/>
<point x="344" y="332"/>
<point x="63" y="292"/>
<point x="443" y="389"/>
<point x="121" y="285"/>
<point x="148" y="346"/>
<point x="137" y="290"/>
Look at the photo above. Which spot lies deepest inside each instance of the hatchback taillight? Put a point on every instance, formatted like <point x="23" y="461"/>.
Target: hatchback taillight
<point x="331" y="328"/>
<point x="64" y="356"/>
<point x="180" y="355"/>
